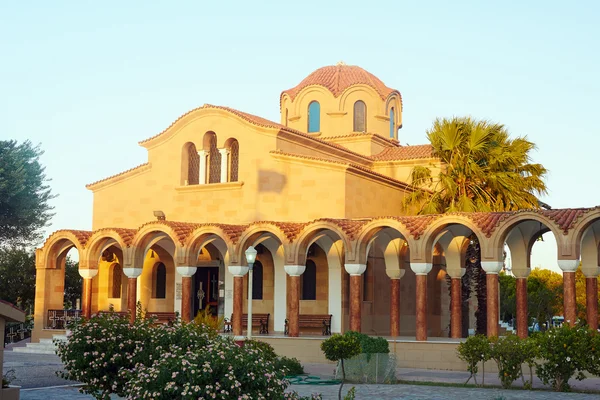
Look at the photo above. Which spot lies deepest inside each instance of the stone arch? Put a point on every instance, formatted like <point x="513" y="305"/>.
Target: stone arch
<point x="580" y="229"/>
<point x="370" y="231"/>
<point x="147" y="236"/>
<point x="200" y="237"/>
<point x="233" y="159"/>
<point x="360" y="88"/>
<point x="213" y="162"/>
<point x="190" y="165"/>
<point x="308" y="95"/>
<point x="423" y="253"/>
<point x="256" y="233"/>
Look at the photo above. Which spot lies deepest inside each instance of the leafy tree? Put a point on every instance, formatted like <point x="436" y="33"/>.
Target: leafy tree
<point x="544" y="295"/>
<point x="483" y="170"/>
<point x="508" y="297"/>
<point x="340" y="348"/>
<point x="17" y="276"/>
<point x="24" y="193"/>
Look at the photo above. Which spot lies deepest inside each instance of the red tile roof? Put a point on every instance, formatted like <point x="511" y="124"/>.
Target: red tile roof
<point x="487" y="222"/>
<point x="125" y="234"/>
<point x="289" y="229"/>
<point x="181" y="229"/>
<point x="233" y="232"/>
<point x="82" y="237"/>
<point x="126" y="172"/>
<point x="405" y="153"/>
<point x="338" y="78"/>
<point x="565" y="218"/>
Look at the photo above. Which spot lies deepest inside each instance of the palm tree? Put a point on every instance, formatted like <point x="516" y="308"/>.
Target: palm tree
<point x="483" y="169"/>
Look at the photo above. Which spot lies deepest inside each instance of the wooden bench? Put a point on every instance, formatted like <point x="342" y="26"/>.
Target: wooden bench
<point x="121" y="314"/>
<point x="322" y="321"/>
<point x="161" y="317"/>
<point x="260" y="320"/>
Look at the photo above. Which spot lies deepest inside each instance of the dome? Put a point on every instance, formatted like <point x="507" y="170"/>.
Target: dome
<point x="337" y="78"/>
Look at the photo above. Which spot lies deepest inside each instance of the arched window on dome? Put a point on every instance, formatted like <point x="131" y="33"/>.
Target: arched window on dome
<point x="314" y="117"/>
<point x="257" y="281"/>
<point x="392" y="123"/>
<point x="159" y="275"/>
<point x="360" y="116"/>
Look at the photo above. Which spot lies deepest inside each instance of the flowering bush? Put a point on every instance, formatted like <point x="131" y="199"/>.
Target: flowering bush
<point x="221" y="370"/>
<point x="564" y="353"/>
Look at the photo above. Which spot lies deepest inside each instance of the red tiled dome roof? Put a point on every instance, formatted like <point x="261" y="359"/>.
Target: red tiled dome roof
<point x="337" y="78"/>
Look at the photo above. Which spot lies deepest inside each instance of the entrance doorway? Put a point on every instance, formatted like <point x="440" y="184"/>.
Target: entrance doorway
<point x="206" y="290"/>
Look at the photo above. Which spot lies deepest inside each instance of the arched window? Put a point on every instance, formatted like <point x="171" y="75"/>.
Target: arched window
<point x="286" y="117"/>
<point x="309" y="281"/>
<point x="114" y="281"/>
<point x="193" y="167"/>
<point x="160" y="281"/>
<point x="214" y="160"/>
<point x="314" y="117"/>
<point x="234" y="160"/>
<point x="360" y="116"/>
<point x="392" y="123"/>
<point x="257" y="281"/>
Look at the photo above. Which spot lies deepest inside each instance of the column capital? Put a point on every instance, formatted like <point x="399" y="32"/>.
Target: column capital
<point x="88" y="273"/>
<point x="355" y="269"/>
<point x="238" y="270"/>
<point x="421" y="268"/>
<point x="202" y="152"/>
<point x="395" y="273"/>
<point x="521" y="273"/>
<point x="132" y="272"/>
<point x="568" y="265"/>
<point x="224" y="151"/>
<point x="186" y="272"/>
<point x="294" y="270"/>
<point x="591" y="274"/>
<point x="492" y="267"/>
<point x="456" y="274"/>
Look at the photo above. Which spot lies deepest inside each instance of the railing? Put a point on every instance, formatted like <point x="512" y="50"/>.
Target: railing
<point x="59" y="319"/>
<point x="16" y="331"/>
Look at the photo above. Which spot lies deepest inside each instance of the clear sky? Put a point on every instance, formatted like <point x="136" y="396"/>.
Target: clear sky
<point x="88" y="80"/>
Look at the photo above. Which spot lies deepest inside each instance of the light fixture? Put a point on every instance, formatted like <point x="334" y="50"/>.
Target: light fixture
<point x="160" y="215"/>
<point x="251" y="256"/>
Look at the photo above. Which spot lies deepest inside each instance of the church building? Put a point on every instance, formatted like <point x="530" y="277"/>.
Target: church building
<point x="318" y="195"/>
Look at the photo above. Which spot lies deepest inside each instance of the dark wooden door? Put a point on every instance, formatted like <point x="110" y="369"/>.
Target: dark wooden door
<point x="206" y="289"/>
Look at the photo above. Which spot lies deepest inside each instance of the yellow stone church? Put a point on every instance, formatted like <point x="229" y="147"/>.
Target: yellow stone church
<point x="318" y="195"/>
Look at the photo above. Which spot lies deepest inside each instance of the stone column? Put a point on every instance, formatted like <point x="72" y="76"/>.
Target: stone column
<point x="456" y="302"/>
<point x="132" y="275"/>
<point x="294" y="271"/>
<point x="202" y="172"/>
<point x="224" y="164"/>
<point x="355" y="271"/>
<point x="492" y="268"/>
<point x="421" y="270"/>
<point x="570" y="305"/>
<point x="521" y="282"/>
<point x="238" y="272"/>
<point x="86" y="306"/>
<point x="395" y="276"/>
<point x="186" y="291"/>
<point x="591" y="289"/>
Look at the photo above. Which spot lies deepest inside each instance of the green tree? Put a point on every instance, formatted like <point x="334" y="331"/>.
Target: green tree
<point x="24" y="193"/>
<point x="508" y="297"/>
<point x="339" y="348"/>
<point x="17" y="276"/>
<point x="483" y="169"/>
<point x="73" y="284"/>
<point x="544" y="295"/>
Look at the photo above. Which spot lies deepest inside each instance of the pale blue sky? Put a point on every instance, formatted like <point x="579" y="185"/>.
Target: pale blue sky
<point x="90" y="79"/>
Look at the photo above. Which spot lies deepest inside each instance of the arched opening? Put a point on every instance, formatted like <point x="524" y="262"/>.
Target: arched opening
<point x="257" y="281"/>
<point x="191" y="161"/>
<point x="115" y="278"/>
<point x="234" y="160"/>
<point x="309" y="282"/>
<point x="392" y="124"/>
<point x="213" y="164"/>
<point x="360" y="116"/>
<point x="159" y="278"/>
<point x="314" y="117"/>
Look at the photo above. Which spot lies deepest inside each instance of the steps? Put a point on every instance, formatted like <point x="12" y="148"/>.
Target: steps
<point x="45" y="346"/>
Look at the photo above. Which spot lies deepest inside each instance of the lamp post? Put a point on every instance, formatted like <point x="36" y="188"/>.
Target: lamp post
<point x="250" y="258"/>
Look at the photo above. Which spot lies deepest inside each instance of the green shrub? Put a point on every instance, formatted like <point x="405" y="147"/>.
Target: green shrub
<point x="508" y="353"/>
<point x="593" y="359"/>
<point x="266" y="348"/>
<point x="291" y="366"/>
<point x="370" y="344"/>
<point x="474" y="350"/>
<point x="564" y="354"/>
<point x="340" y="348"/>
